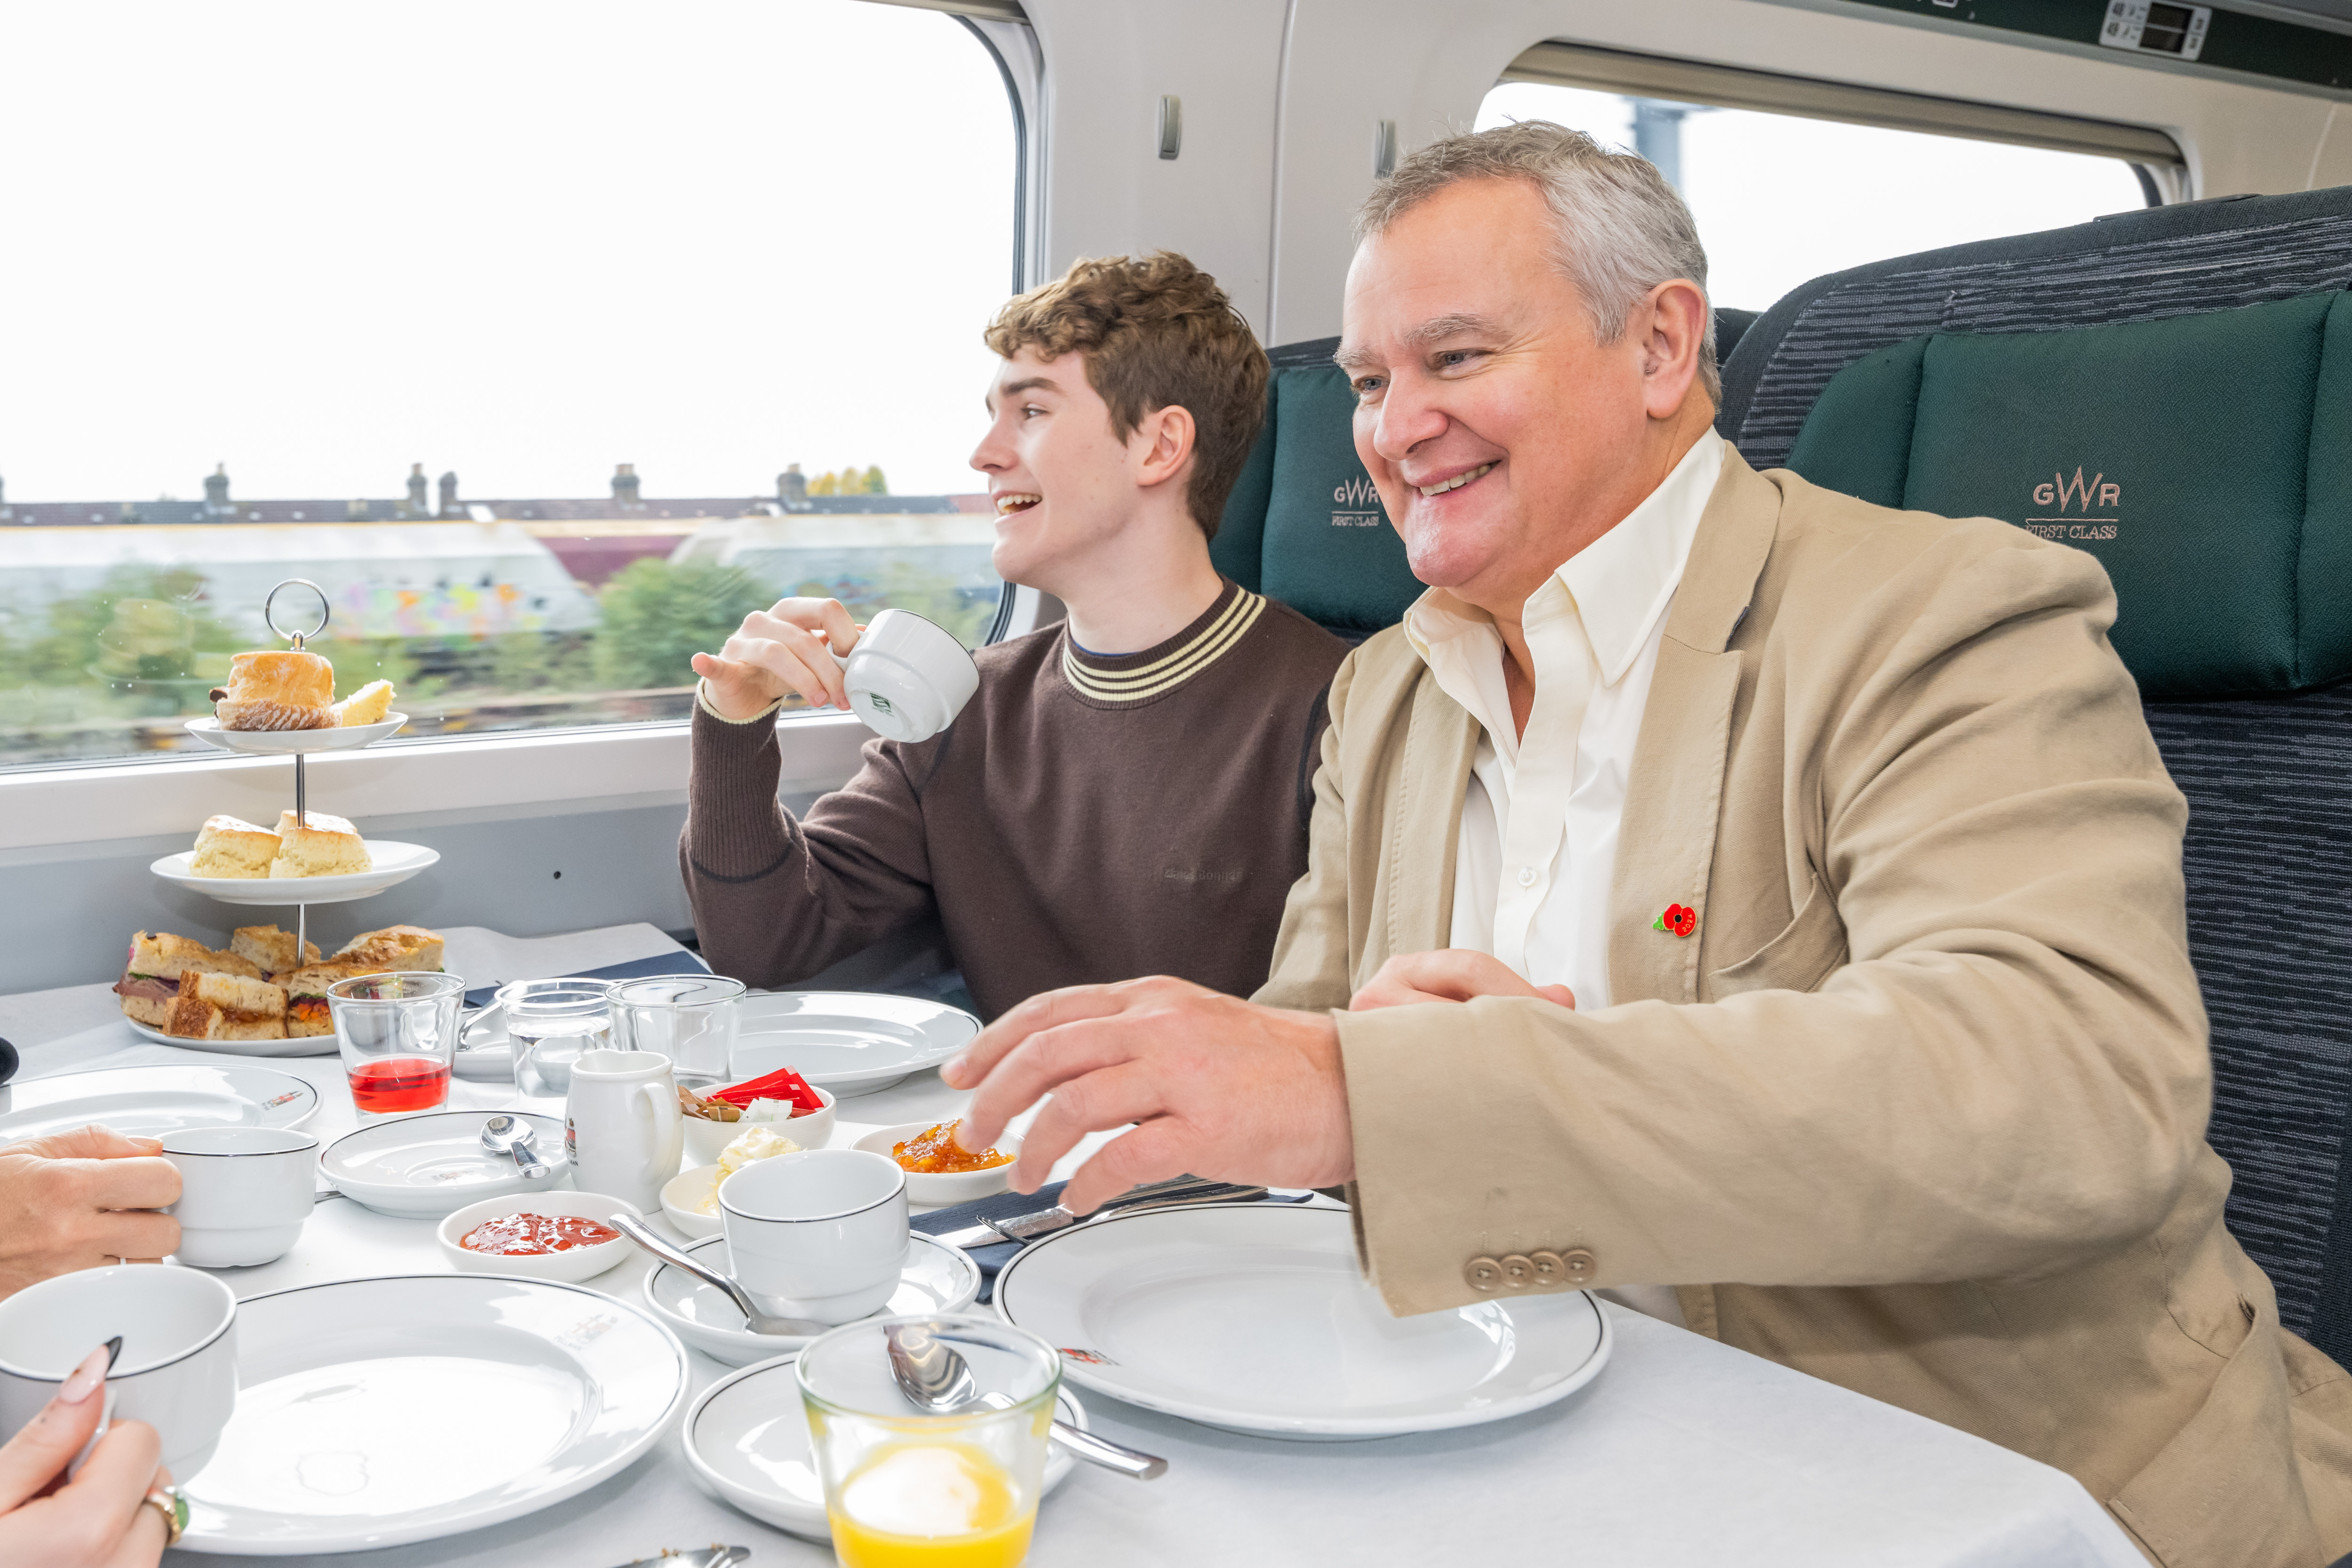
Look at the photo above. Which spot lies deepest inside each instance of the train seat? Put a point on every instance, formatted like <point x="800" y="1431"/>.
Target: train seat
<point x="2172" y="392"/>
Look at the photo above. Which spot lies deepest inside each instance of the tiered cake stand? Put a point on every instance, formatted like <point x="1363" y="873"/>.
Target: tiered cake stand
<point x="394" y="863"/>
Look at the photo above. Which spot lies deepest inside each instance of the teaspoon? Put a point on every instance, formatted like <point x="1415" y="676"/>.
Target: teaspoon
<point x="934" y="1374"/>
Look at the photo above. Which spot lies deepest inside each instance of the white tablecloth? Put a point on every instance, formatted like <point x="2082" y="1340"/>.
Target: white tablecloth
<point x="1682" y="1452"/>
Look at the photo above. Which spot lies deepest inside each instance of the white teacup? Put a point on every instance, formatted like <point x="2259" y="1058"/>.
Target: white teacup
<point x="244" y="1193"/>
<point x="906" y="678"/>
<point x="177" y="1371"/>
<point x="820" y="1234"/>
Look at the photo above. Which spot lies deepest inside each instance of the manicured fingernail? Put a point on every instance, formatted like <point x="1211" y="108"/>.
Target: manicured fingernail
<point x="86" y="1377"/>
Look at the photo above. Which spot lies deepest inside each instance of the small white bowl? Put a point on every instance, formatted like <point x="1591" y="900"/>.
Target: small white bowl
<point x="935" y="1190"/>
<point x="811" y="1129"/>
<point x="568" y="1268"/>
<point x="682" y="1192"/>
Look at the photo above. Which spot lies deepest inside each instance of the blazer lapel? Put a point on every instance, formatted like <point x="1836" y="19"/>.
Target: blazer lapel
<point x="1674" y="792"/>
<point x="1441" y="739"/>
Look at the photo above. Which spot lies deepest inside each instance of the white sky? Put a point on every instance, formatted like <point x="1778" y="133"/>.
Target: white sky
<point x="1780" y="200"/>
<point x="523" y="239"/>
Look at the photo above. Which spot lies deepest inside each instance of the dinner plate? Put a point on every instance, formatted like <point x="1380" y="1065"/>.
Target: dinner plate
<point x="307" y="1045"/>
<point x="1254" y="1319"/>
<point x="376" y="1412"/>
<point x="149" y="1102"/>
<point x="395" y="864"/>
<point x="284" y="743"/>
<point x="432" y="1163"/>
<point x="851" y="1042"/>
<point x="746" y="1438"/>
<point x="937" y="1279"/>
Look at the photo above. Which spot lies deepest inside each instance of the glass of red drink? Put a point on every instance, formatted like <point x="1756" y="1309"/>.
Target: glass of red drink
<point x="396" y="1033"/>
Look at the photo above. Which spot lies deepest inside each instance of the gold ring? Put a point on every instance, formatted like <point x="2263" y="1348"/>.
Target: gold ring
<point x="173" y="1509"/>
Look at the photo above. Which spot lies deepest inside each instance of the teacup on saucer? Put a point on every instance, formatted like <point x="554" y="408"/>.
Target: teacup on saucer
<point x="936" y="1279"/>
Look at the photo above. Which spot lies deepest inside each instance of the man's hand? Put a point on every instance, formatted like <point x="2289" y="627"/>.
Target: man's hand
<point x="1215" y="1086"/>
<point x="777" y="651"/>
<point x="1448" y="975"/>
<point x="79" y="1200"/>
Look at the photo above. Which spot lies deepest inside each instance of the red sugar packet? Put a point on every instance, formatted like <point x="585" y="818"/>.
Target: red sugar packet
<point x="781" y="1084"/>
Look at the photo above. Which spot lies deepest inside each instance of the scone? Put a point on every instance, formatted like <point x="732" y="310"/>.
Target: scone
<point x="272" y="947"/>
<point x="394" y="948"/>
<point x="368" y="705"/>
<point x="232" y="847"/>
<point x="227" y="1007"/>
<point x="150" y="977"/>
<point x="319" y="846"/>
<point x="276" y="689"/>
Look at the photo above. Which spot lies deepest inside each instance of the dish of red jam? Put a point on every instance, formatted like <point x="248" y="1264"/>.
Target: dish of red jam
<point x="535" y="1234"/>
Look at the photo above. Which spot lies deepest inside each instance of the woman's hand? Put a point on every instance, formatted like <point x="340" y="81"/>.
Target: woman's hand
<point x="96" y="1519"/>
<point x="778" y="651"/>
<point x="82" y="1200"/>
<point x="1448" y="975"/>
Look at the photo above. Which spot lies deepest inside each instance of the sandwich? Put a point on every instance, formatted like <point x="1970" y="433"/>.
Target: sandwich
<point x="231" y="847"/>
<point x="386" y="952"/>
<point x="368" y="705"/>
<point x="211" y="1007"/>
<point x="272" y="949"/>
<point x="150" y="977"/>
<point x="276" y="689"/>
<point x="318" y="846"/>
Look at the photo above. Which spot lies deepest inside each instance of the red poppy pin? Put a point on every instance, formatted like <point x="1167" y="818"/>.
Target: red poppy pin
<point x="1677" y="919"/>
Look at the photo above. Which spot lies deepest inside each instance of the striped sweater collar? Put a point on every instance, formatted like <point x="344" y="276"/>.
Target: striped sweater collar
<point x="1131" y="677"/>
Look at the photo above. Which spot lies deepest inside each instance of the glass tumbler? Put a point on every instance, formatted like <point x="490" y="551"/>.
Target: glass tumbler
<point x="396" y="1033"/>
<point x="549" y="1024"/>
<point x="689" y="1018"/>
<point x="902" y="1485"/>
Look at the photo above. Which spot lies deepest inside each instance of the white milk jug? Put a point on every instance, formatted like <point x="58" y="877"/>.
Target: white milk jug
<point x="622" y="1130"/>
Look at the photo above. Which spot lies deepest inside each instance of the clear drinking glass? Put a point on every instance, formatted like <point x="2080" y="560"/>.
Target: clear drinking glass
<point x="904" y="1486"/>
<point x="396" y="1033"/>
<point x="549" y="1024"/>
<point x="689" y="1018"/>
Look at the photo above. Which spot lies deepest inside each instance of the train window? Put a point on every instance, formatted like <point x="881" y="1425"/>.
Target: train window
<point x="1782" y="198"/>
<point x="548" y="338"/>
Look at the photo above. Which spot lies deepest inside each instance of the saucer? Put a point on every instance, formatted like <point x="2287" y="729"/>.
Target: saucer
<point x="149" y="1102"/>
<point x="851" y="1042"/>
<point x="937" y="1279"/>
<point x="432" y="1164"/>
<point x="746" y="1438"/>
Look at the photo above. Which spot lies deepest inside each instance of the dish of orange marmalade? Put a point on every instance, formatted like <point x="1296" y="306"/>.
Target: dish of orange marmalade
<point x="934" y="1152"/>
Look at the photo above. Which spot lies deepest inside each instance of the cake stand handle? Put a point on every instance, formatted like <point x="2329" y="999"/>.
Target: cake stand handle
<point x="302" y="792"/>
<point x="302" y="935"/>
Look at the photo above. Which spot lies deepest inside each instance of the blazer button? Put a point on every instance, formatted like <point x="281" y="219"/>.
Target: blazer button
<point x="1518" y="1271"/>
<point x="1551" y="1272"/>
<point x="1579" y="1264"/>
<point x="1483" y="1275"/>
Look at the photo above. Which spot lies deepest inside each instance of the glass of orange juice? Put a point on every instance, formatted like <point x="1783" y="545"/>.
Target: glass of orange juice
<point x="907" y="1488"/>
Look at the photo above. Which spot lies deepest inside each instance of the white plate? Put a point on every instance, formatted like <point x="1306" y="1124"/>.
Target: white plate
<point x="284" y="743"/>
<point x="395" y="864"/>
<point x="747" y="1439"/>
<point x="307" y="1045"/>
<point x="851" y="1042"/>
<point x="376" y="1412"/>
<point x="937" y="1279"/>
<point x="1254" y="1319"/>
<point x="147" y="1103"/>
<point x="432" y="1164"/>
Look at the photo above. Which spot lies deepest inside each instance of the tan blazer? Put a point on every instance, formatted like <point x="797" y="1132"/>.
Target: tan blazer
<point x="1919" y="1108"/>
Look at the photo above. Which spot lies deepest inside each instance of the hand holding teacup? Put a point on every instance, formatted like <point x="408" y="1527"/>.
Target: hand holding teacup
<point x="80" y="1200"/>
<point x="785" y="648"/>
<point x="904" y="676"/>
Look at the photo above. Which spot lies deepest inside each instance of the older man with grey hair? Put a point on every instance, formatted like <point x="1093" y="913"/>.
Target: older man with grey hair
<point x="1761" y="904"/>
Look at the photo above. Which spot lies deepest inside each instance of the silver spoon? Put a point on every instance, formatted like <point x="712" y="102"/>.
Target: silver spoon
<point x="677" y="1258"/>
<point x="504" y="1134"/>
<point x="935" y="1375"/>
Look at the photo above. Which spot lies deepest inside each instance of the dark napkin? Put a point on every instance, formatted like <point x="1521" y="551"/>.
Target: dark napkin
<point x="1004" y="1205"/>
<point x="680" y="963"/>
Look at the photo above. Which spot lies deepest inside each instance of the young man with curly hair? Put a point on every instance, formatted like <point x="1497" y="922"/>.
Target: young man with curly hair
<point x="1129" y="792"/>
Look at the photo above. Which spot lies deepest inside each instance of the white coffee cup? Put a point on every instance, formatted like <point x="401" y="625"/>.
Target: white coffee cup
<point x="906" y="678"/>
<point x="820" y="1234"/>
<point x="178" y="1370"/>
<point x="244" y="1193"/>
<point x="622" y="1128"/>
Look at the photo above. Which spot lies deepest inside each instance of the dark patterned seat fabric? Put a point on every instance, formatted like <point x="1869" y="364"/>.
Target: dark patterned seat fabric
<point x="2268" y="776"/>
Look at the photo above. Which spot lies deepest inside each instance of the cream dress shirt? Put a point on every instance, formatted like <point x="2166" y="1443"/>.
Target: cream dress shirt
<point x="1539" y="817"/>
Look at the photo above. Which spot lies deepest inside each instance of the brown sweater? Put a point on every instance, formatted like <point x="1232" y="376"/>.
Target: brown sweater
<point x="1085" y="819"/>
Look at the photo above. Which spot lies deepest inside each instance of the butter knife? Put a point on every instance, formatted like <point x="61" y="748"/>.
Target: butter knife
<point x="1037" y="1223"/>
<point x="711" y="1557"/>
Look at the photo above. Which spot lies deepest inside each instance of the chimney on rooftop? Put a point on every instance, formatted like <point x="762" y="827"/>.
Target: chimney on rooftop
<point x="449" y="506"/>
<point x="624" y="484"/>
<point x="217" y="489"/>
<point x="792" y="487"/>
<point x="355" y="511"/>
<point x="415" y="503"/>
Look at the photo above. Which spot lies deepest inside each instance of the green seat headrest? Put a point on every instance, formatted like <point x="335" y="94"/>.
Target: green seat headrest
<point x="2206" y="461"/>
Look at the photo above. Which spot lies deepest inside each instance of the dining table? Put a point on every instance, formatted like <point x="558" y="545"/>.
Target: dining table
<point x="1682" y="1451"/>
